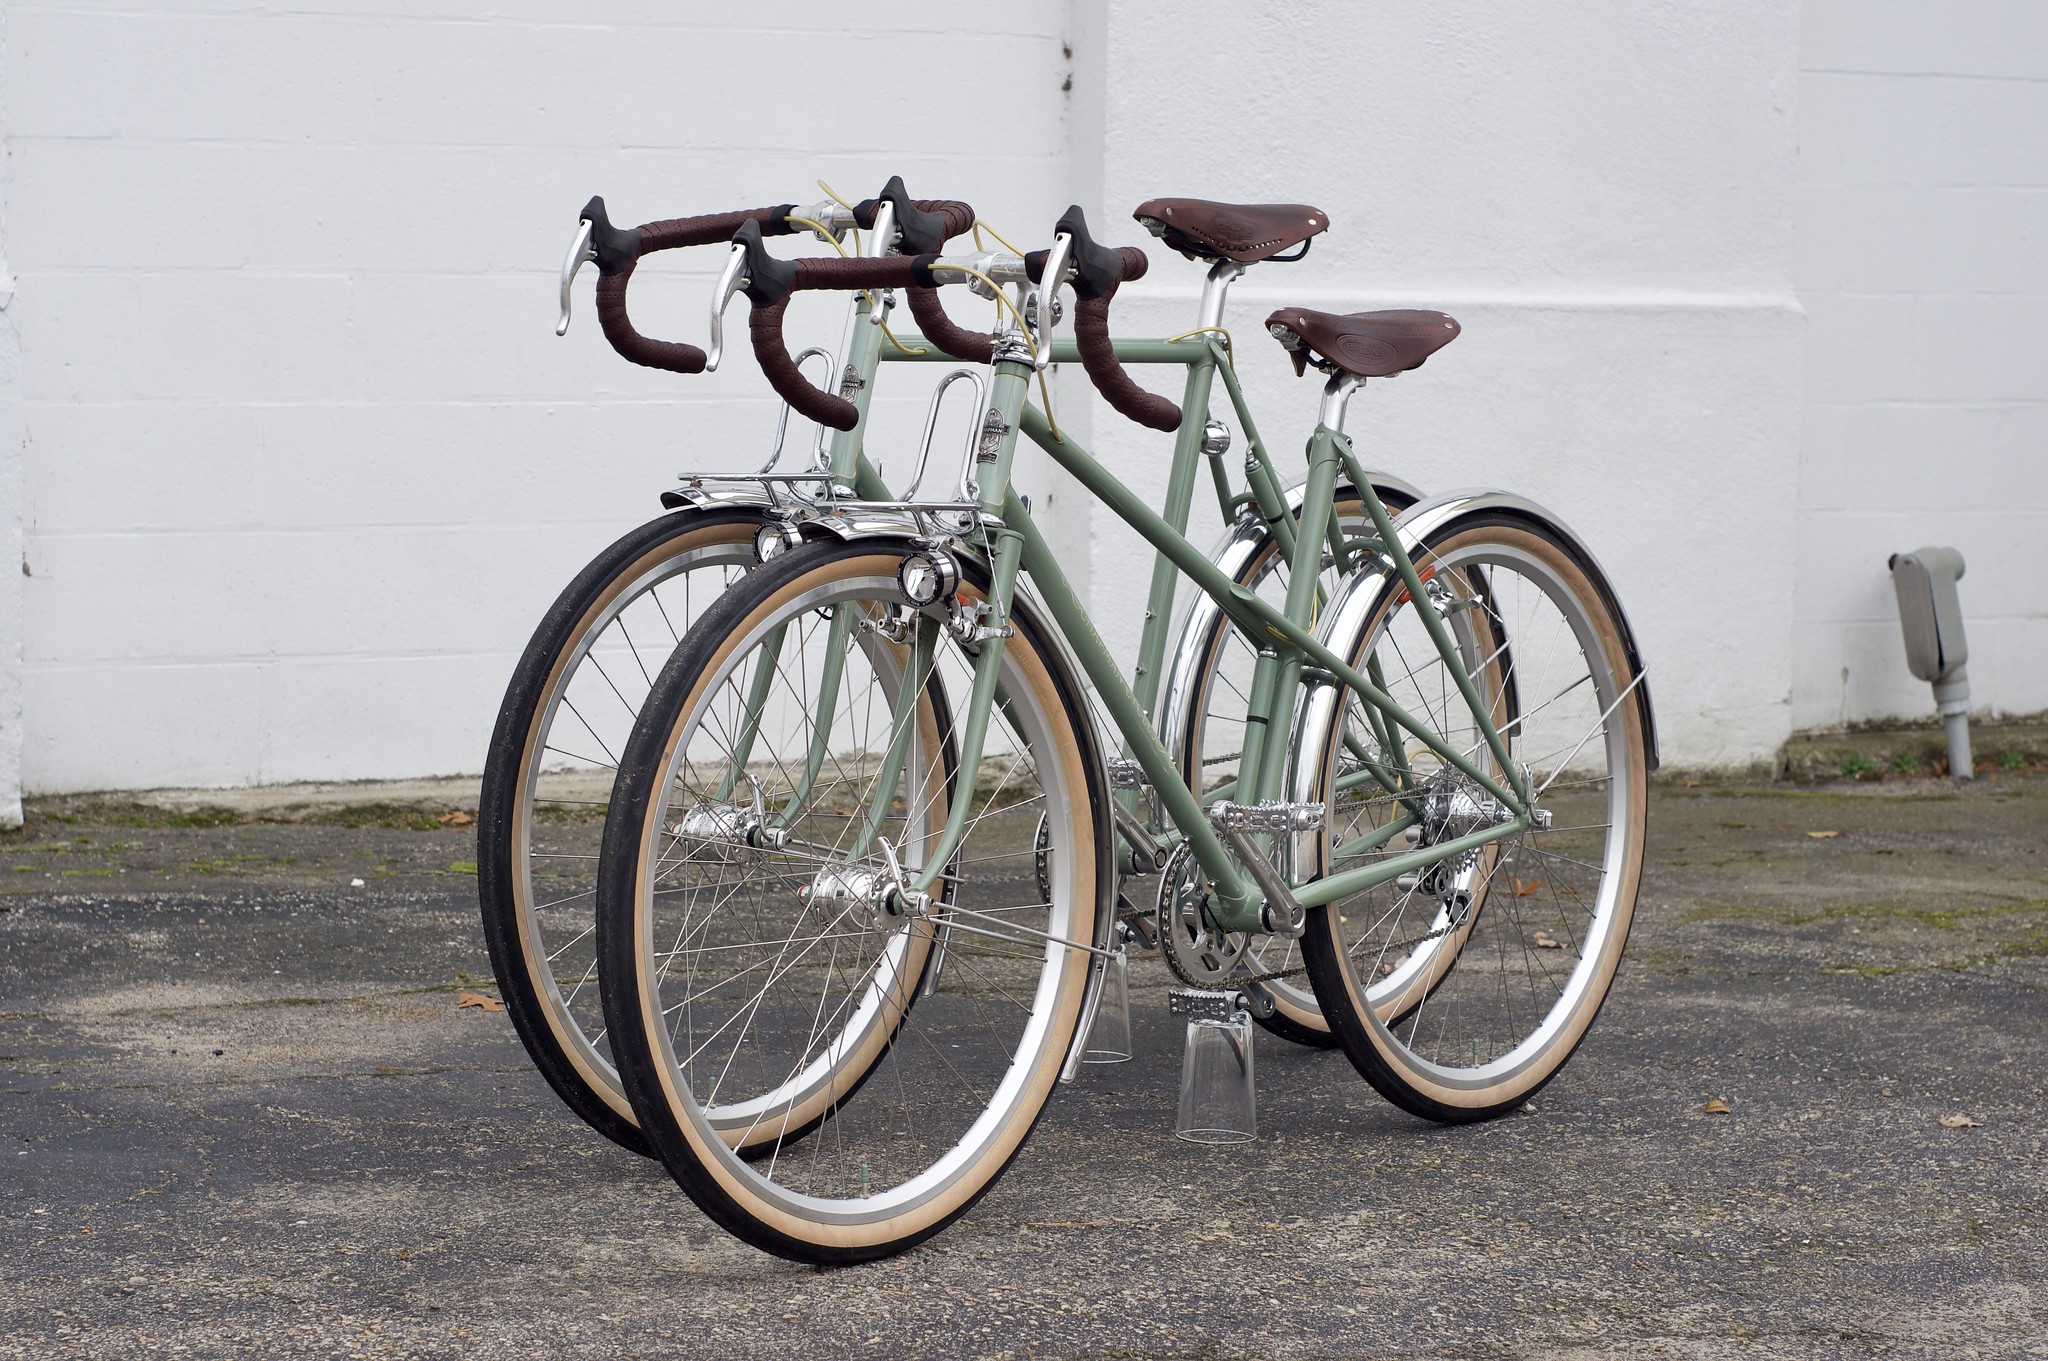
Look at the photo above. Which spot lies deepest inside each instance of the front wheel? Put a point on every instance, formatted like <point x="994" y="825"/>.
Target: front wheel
<point x="1460" y="989"/>
<point x="766" y="947"/>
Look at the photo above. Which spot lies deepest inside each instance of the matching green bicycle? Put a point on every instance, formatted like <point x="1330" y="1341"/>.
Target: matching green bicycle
<point x="879" y="800"/>
<point x="584" y="675"/>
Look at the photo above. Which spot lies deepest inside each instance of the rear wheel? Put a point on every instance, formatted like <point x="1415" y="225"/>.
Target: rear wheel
<point x="1460" y="990"/>
<point x="764" y="957"/>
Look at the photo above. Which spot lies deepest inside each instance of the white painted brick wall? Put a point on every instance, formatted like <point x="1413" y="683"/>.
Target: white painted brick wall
<point x="305" y="462"/>
<point x="1602" y="197"/>
<point x="308" y="461"/>
<point x="1923" y="264"/>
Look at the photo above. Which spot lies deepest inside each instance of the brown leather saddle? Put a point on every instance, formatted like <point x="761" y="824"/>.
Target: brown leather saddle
<point x="1244" y="232"/>
<point x="1367" y="344"/>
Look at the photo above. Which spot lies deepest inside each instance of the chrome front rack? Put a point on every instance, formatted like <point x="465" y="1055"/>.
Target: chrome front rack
<point x="823" y="496"/>
<point x="967" y="488"/>
<point x="819" y="456"/>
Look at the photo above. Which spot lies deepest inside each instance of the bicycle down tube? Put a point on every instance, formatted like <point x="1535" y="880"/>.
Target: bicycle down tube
<point x="1290" y="647"/>
<point x="1239" y="902"/>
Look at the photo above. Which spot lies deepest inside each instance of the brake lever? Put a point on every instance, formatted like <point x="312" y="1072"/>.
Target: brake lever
<point x="581" y="253"/>
<point x="730" y="281"/>
<point x="1048" y="287"/>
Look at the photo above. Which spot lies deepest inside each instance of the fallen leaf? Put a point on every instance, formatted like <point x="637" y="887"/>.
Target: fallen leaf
<point x="456" y="818"/>
<point x="477" y="999"/>
<point x="1523" y="890"/>
<point x="1545" y="941"/>
<point x="1823" y="836"/>
<point x="1716" y="1107"/>
<point x="1960" y="1121"/>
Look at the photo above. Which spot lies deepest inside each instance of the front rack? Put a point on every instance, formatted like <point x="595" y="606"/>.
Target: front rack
<point x="823" y="496"/>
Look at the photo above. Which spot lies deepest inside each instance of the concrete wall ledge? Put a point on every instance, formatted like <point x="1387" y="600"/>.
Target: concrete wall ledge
<point x="1901" y="747"/>
<point x="352" y="802"/>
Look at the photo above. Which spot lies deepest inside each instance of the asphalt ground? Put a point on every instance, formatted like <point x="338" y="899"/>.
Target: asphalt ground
<point x="241" y="1114"/>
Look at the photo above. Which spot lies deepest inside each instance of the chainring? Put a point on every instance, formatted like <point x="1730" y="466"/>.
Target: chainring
<point x="1199" y="954"/>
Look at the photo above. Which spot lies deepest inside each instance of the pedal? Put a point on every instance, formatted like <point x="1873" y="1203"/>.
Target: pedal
<point x="1124" y="773"/>
<point x="1237" y="823"/>
<point x="1273" y="816"/>
<point x="1198" y="1004"/>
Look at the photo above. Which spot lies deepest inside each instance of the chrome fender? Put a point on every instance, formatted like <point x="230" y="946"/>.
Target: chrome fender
<point x="1232" y="553"/>
<point x="1350" y="607"/>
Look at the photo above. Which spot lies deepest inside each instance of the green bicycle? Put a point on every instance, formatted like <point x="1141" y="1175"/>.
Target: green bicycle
<point x="849" y="938"/>
<point x="579" y="686"/>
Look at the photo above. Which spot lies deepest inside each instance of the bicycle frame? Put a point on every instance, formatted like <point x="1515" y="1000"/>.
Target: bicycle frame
<point x="1295" y="655"/>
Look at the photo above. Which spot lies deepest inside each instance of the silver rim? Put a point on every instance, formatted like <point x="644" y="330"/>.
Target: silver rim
<point x="596" y="698"/>
<point x="1531" y="924"/>
<point x="776" y="998"/>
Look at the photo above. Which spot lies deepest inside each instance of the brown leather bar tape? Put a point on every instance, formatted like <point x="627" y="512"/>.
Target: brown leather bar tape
<point x="674" y="355"/>
<point x="973" y="346"/>
<point x="784" y="376"/>
<point x="1098" y="356"/>
<point x="702" y="231"/>
<point x="959" y="217"/>
<point x="889" y="271"/>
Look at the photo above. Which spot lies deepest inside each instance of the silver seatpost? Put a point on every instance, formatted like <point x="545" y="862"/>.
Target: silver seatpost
<point x="1215" y="288"/>
<point x="1336" y="396"/>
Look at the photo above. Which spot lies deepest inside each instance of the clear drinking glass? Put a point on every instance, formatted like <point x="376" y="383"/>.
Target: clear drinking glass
<point x="1218" y="1103"/>
<point x="1109" y="1038"/>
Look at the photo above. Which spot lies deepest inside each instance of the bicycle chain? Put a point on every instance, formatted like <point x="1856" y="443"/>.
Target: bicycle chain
<point x="1276" y="975"/>
<point x="1175" y="966"/>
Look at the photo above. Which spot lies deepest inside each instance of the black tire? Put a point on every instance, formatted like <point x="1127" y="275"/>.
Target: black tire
<point x="574" y="1062"/>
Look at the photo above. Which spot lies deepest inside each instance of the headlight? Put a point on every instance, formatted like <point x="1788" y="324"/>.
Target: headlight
<point x="928" y="575"/>
<point x="774" y="539"/>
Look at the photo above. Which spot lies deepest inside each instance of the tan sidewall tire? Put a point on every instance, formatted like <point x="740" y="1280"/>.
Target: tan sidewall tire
<point x="711" y="1176"/>
<point x="1380" y="1060"/>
